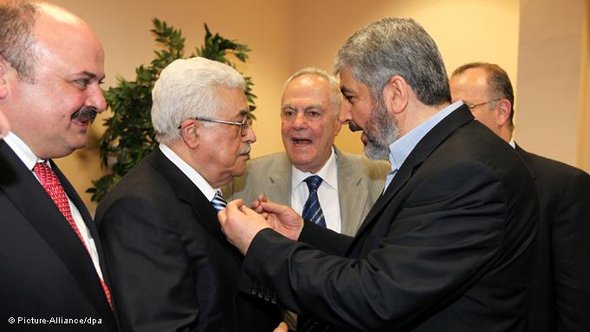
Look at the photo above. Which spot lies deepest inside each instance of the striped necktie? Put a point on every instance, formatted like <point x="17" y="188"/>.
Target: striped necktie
<point x="312" y="210"/>
<point x="218" y="202"/>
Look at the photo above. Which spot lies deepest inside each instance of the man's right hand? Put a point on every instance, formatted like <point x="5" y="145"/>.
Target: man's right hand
<point x="281" y="328"/>
<point x="281" y="218"/>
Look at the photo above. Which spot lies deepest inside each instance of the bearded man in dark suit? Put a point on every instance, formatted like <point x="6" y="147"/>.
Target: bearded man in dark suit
<point x="448" y="246"/>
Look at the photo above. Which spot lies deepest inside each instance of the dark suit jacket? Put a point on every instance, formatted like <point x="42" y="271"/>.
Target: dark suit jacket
<point x="561" y="293"/>
<point x="46" y="270"/>
<point x="448" y="247"/>
<point x="171" y="267"/>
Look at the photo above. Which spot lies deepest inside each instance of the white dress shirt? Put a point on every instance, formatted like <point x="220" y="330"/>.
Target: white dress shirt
<point x="190" y="172"/>
<point x="327" y="192"/>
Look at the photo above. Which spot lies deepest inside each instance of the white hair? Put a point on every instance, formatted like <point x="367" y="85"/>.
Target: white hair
<point x="186" y="89"/>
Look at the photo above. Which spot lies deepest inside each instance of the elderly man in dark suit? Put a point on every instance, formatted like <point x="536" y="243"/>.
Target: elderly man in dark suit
<point x="171" y="267"/>
<point x="52" y="263"/>
<point x="560" y="296"/>
<point x="448" y="246"/>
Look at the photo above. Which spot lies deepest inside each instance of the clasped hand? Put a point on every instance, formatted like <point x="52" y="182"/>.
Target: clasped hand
<point x="240" y="224"/>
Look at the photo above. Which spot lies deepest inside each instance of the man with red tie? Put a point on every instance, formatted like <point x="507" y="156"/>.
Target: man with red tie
<point x="53" y="275"/>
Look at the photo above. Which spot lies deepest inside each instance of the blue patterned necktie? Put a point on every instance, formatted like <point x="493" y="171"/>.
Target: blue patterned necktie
<point x="218" y="202"/>
<point x="312" y="210"/>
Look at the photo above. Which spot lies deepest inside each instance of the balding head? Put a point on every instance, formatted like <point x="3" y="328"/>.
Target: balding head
<point x="486" y="90"/>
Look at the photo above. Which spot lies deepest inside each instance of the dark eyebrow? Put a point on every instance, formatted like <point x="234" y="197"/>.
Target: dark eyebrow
<point x="288" y="107"/>
<point x="345" y="90"/>
<point x="242" y="113"/>
<point x="92" y="76"/>
<point x="314" y="107"/>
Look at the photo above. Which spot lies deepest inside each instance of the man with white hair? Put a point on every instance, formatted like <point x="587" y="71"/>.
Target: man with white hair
<point x="348" y="184"/>
<point x="171" y="267"/>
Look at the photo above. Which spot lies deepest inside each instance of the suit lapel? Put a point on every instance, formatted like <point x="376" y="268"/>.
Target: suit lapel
<point x="279" y="181"/>
<point x="352" y="192"/>
<point x="419" y="154"/>
<point x="187" y="192"/>
<point x="40" y="211"/>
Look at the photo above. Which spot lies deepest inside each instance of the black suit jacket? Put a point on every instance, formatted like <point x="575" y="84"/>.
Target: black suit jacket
<point x="46" y="270"/>
<point x="171" y="267"/>
<point x="561" y="293"/>
<point x="447" y="247"/>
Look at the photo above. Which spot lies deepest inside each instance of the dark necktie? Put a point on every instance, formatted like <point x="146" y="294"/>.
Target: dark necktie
<point x="312" y="210"/>
<point x="54" y="189"/>
<point x="218" y="202"/>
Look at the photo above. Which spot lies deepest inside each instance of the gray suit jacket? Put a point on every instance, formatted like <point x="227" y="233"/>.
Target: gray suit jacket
<point x="360" y="183"/>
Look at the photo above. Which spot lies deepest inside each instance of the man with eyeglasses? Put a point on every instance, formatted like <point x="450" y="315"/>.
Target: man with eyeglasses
<point x="560" y="296"/>
<point x="172" y="269"/>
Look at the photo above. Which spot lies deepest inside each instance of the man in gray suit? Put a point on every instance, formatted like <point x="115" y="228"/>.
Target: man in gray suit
<point x="350" y="184"/>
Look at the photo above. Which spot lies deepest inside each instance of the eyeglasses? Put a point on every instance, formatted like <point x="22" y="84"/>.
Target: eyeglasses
<point x="244" y="125"/>
<point x="472" y="106"/>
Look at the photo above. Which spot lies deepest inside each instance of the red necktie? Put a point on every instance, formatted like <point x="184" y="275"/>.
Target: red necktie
<point x="52" y="186"/>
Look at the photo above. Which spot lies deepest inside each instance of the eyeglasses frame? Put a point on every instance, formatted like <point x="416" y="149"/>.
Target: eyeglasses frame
<point x="244" y="125"/>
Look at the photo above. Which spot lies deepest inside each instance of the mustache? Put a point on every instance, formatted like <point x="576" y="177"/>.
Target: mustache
<point x="245" y="150"/>
<point x="353" y="126"/>
<point x="85" y="114"/>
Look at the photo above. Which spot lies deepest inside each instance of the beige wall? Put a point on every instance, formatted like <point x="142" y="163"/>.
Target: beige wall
<point x="286" y="35"/>
<point x="552" y="104"/>
<point x="465" y="31"/>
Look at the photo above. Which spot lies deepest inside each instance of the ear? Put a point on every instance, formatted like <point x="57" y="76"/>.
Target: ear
<point x="504" y="109"/>
<point x="396" y="94"/>
<point x="190" y="134"/>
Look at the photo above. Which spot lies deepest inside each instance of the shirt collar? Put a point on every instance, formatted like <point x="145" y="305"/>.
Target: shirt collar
<point x="328" y="173"/>
<point x="512" y="143"/>
<point x="400" y="149"/>
<point x="22" y="150"/>
<point x="190" y="172"/>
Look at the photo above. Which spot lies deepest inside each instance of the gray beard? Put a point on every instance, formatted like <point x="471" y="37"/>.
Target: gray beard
<point x="381" y="130"/>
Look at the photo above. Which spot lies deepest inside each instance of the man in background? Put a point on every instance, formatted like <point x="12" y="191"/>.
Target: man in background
<point x="171" y="267"/>
<point x="51" y="67"/>
<point x="560" y="296"/>
<point x="344" y="186"/>
<point x="449" y="244"/>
